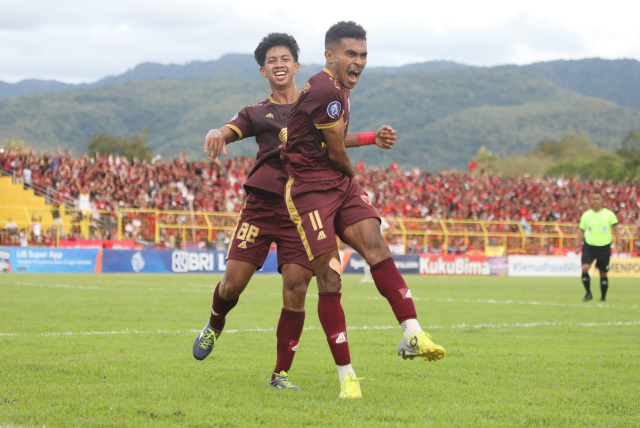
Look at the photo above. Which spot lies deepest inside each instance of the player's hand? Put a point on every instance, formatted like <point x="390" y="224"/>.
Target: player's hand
<point x="386" y="137"/>
<point x="214" y="144"/>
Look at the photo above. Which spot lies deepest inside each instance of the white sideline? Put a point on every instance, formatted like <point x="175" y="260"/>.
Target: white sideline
<point x="364" y="327"/>
<point x="209" y="289"/>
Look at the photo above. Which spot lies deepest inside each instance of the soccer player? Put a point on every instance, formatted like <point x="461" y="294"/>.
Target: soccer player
<point x="596" y="225"/>
<point x="265" y="218"/>
<point x="324" y="200"/>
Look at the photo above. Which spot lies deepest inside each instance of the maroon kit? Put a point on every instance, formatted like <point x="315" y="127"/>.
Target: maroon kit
<point x="323" y="102"/>
<point x="267" y="121"/>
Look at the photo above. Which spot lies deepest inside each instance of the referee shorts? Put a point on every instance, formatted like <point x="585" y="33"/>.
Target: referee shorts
<point x="601" y="254"/>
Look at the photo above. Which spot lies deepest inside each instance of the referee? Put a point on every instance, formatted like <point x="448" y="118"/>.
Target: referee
<point x="595" y="228"/>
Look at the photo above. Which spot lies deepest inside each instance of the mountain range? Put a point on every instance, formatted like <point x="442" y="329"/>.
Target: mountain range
<point x="443" y="111"/>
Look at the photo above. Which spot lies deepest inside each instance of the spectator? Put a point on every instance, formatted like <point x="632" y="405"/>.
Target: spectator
<point x="12" y="229"/>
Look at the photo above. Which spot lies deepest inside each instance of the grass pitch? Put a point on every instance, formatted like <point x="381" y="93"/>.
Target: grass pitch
<point x="115" y="350"/>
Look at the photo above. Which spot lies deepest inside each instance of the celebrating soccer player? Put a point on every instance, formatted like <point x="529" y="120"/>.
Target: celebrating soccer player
<point x="265" y="218"/>
<point x="324" y="200"/>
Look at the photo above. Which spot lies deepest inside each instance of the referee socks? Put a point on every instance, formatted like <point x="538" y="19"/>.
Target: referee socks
<point x="604" y="286"/>
<point x="586" y="281"/>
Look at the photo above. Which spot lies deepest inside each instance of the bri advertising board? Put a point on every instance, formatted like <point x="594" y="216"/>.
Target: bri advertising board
<point x="172" y="261"/>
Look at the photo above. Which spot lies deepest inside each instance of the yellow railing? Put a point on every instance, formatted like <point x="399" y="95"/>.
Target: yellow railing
<point x="422" y="234"/>
<point x="415" y="234"/>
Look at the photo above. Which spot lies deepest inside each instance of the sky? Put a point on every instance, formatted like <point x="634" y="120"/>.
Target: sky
<point x="76" y="41"/>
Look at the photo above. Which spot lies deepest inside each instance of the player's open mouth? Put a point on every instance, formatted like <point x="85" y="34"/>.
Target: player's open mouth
<point x="281" y="73"/>
<point x="354" y="76"/>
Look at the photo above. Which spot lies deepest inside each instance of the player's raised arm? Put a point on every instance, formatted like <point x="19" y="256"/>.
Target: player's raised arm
<point x="216" y="142"/>
<point x="336" y="149"/>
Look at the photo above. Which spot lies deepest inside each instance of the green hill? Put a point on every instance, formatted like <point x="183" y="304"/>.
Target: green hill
<point x="617" y="81"/>
<point x="442" y="118"/>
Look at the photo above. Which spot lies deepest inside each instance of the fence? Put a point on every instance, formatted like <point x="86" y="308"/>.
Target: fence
<point x="176" y="228"/>
<point x="421" y="235"/>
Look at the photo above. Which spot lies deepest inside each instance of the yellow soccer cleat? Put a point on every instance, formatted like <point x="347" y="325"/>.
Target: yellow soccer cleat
<point x="350" y="387"/>
<point x="420" y="345"/>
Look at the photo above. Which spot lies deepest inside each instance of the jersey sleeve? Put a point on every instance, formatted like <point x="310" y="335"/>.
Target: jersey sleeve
<point x="324" y="106"/>
<point x="613" y="220"/>
<point x="241" y="124"/>
<point x="583" y="221"/>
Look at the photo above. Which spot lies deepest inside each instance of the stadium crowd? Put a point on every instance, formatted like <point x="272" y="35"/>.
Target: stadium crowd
<point x="113" y="182"/>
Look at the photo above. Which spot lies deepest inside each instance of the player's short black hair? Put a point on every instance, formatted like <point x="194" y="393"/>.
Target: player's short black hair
<point x="344" y="30"/>
<point x="272" y="40"/>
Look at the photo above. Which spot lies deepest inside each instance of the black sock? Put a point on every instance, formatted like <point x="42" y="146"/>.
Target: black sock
<point x="604" y="286"/>
<point x="586" y="281"/>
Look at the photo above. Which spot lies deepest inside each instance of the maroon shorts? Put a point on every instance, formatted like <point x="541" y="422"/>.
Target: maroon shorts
<point x="323" y="209"/>
<point x="264" y="220"/>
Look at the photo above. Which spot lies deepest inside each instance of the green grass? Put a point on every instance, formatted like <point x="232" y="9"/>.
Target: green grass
<point x="115" y="350"/>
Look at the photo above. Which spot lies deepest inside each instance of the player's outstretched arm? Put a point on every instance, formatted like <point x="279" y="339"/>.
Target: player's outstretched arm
<point x="216" y="142"/>
<point x="338" y="156"/>
<point x="384" y="138"/>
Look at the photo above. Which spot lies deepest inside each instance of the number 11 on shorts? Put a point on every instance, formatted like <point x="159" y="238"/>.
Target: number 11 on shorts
<point x="315" y="222"/>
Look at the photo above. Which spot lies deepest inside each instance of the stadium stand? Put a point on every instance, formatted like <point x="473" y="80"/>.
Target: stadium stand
<point x="180" y="201"/>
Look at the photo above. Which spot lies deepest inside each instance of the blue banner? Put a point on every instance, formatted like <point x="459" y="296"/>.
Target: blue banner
<point x="83" y="260"/>
<point x="162" y="261"/>
<point x="172" y="261"/>
<point x="49" y="260"/>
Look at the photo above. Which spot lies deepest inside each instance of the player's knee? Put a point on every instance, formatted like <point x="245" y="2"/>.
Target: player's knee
<point x="230" y="289"/>
<point x="328" y="280"/>
<point x="294" y="298"/>
<point x="298" y="288"/>
<point x="376" y="252"/>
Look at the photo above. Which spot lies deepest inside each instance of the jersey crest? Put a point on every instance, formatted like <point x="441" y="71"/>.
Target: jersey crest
<point x="333" y="109"/>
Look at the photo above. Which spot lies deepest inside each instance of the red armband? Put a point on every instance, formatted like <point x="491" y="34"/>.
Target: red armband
<point x="366" y="138"/>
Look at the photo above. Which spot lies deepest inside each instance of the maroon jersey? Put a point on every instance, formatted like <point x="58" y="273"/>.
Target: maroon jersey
<point x="321" y="105"/>
<point x="267" y="121"/>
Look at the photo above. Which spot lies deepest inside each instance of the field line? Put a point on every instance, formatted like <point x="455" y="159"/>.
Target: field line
<point x="364" y="327"/>
<point x="315" y="295"/>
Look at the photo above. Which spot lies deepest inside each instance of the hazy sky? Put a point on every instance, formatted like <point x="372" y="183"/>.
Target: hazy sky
<point x="84" y="40"/>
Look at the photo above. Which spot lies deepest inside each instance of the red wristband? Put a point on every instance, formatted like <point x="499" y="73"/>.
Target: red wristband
<point x="366" y="138"/>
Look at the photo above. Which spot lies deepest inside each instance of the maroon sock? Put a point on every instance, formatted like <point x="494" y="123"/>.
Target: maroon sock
<point x="392" y="286"/>
<point x="334" y="325"/>
<point x="288" y="335"/>
<point x="219" y="309"/>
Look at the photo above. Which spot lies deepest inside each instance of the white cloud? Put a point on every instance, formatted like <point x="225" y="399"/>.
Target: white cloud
<point x="74" y="40"/>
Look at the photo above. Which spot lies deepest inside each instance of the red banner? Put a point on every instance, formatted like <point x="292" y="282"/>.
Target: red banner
<point x="112" y="244"/>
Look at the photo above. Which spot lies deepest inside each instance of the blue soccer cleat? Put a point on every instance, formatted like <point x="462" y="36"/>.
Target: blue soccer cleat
<point x="205" y="342"/>
<point x="281" y="381"/>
